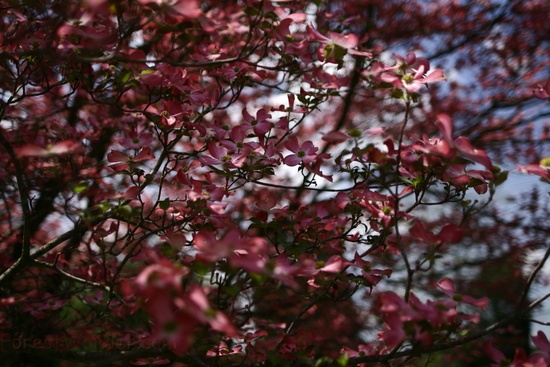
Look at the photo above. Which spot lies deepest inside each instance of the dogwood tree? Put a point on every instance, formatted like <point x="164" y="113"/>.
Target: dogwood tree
<point x="271" y="183"/>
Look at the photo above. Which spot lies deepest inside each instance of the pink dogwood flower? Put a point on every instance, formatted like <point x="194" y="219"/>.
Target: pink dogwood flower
<point x="537" y="169"/>
<point x="241" y="252"/>
<point x="542" y="91"/>
<point x="447" y="286"/>
<point x="219" y="155"/>
<point x="176" y="311"/>
<point x="462" y="144"/>
<point x="305" y="153"/>
<point x="122" y="161"/>
<point x="63" y="147"/>
<point x="335" y="46"/>
<point x="188" y="9"/>
<point x="259" y="124"/>
<point x="409" y="73"/>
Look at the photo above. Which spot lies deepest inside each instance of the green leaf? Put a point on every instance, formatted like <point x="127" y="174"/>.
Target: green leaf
<point x="335" y="52"/>
<point x="80" y="187"/>
<point x="124" y="77"/>
<point x="200" y="268"/>
<point x="104" y="206"/>
<point x="475" y="181"/>
<point x="302" y="99"/>
<point x="125" y="211"/>
<point x="500" y="178"/>
<point x="398" y="93"/>
<point x="164" y="204"/>
<point x="251" y="11"/>
<point x="343" y="360"/>
<point x="322" y="361"/>
<point x="166" y="249"/>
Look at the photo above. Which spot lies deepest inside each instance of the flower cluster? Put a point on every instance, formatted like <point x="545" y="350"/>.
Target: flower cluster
<point x="175" y="309"/>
